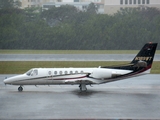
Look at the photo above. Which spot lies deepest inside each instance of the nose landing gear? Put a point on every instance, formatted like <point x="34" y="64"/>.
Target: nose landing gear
<point x="20" y="89"/>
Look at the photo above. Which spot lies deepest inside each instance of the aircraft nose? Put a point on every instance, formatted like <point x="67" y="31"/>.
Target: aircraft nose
<point x="7" y="81"/>
<point x="13" y="80"/>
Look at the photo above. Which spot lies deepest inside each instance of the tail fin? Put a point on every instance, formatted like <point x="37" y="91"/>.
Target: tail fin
<point x="141" y="64"/>
<point x="146" y="55"/>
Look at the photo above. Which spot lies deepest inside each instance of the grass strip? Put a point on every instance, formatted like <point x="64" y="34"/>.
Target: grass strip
<point x="71" y="51"/>
<point x="19" y="67"/>
<point x="67" y="51"/>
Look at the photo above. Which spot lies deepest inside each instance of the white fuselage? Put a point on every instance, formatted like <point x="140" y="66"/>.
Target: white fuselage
<point x="51" y="76"/>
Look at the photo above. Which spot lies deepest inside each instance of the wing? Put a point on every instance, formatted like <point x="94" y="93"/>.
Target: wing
<point x="79" y="81"/>
<point x="75" y="78"/>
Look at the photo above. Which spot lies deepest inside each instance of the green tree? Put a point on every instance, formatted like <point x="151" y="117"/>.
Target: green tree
<point x="9" y="4"/>
<point x="92" y="8"/>
<point x="56" y="15"/>
<point x="68" y="28"/>
<point x="32" y="14"/>
<point x="9" y="27"/>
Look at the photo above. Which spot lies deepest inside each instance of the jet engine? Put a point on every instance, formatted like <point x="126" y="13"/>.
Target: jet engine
<point x="101" y="73"/>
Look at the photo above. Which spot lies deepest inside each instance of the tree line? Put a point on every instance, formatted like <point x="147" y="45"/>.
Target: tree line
<point x="67" y="28"/>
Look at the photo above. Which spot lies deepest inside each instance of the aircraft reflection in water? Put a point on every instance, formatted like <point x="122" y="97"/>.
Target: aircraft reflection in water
<point x="140" y="65"/>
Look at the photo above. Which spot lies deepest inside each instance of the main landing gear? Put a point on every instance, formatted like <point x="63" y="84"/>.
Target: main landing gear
<point x="20" y="89"/>
<point x="82" y="87"/>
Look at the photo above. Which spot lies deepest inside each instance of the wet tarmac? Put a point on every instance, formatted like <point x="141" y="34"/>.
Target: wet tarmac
<point x="70" y="57"/>
<point x="135" y="98"/>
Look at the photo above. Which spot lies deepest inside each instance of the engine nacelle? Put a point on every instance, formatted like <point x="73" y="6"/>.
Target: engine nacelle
<point x="101" y="73"/>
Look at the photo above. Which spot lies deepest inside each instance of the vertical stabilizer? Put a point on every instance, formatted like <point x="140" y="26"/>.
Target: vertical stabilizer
<point x="146" y="54"/>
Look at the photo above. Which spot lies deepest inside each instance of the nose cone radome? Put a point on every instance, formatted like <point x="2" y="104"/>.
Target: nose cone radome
<point x="13" y="79"/>
<point x="7" y="81"/>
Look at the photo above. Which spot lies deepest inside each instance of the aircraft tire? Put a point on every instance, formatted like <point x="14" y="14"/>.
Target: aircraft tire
<point x="20" y="89"/>
<point x="80" y="86"/>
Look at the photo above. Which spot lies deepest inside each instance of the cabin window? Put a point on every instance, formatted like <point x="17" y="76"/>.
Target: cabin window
<point x="60" y="72"/>
<point x="49" y="72"/>
<point x="66" y="72"/>
<point x="71" y="72"/>
<point x="81" y="71"/>
<point x="55" y="72"/>
<point x="76" y="72"/>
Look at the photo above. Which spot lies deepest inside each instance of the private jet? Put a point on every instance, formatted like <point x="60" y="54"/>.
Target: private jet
<point x="140" y="65"/>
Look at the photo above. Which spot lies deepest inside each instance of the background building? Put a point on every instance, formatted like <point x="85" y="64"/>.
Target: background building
<point x="41" y="3"/>
<point x="112" y="6"/>
<point x="79" y="5"/>
<point x="104" y="6"/>
<point x="32" y="3"/>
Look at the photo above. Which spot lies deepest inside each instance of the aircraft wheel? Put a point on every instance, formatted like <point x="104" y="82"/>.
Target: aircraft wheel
<point x="83" y="90"/>
<point x="20" y="89"/>
<point x="83" y="87"/>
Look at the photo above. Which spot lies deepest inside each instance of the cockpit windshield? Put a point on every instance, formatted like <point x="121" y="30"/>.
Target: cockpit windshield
<point x="32" y="72"/>
<point x="29" y="72"/>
